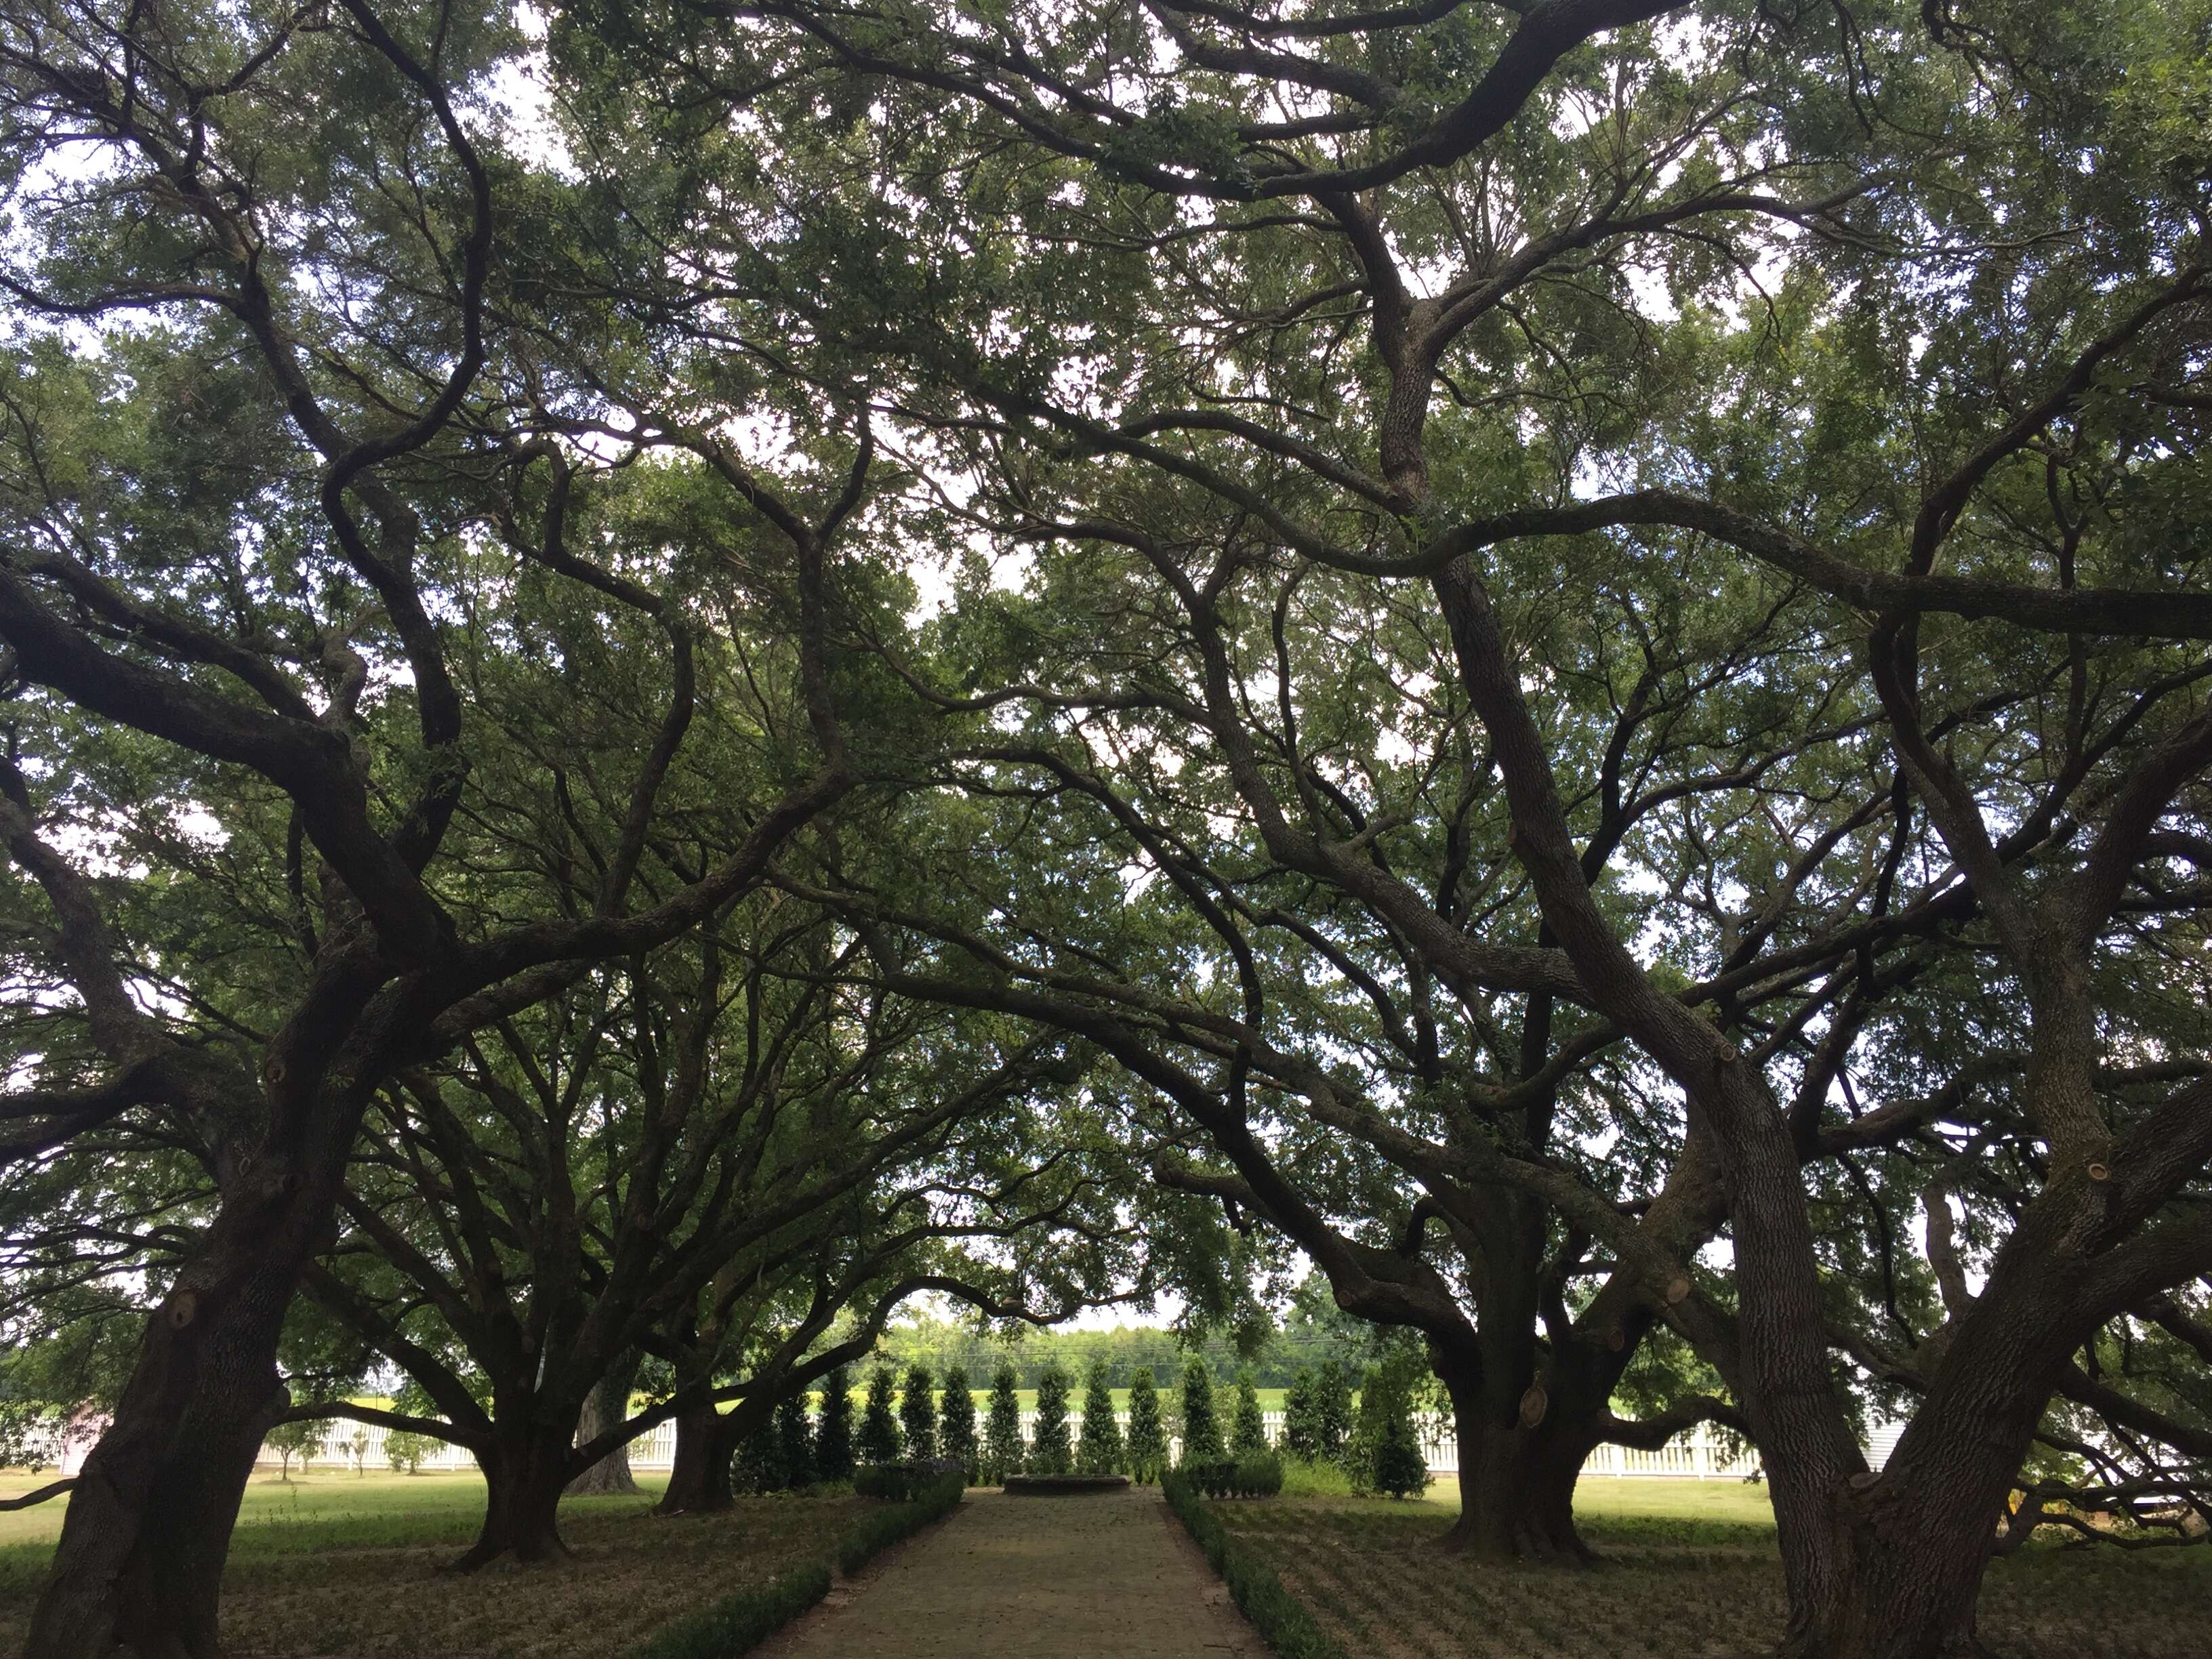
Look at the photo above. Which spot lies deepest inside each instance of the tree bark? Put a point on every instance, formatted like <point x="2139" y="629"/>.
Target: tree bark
<point x="1910" y="1554"/>
<point x="139" y="1564"/>
<point x="1518" y="1498"/>
<point x="699" y="1477"/>
<point x="607" y="1405"/>
<point x="1517" y="1479"/>
<point x="525" y="1470"/>
<point x="1911" y="1545"/>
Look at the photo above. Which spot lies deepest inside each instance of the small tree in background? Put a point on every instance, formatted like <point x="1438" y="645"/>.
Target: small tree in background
<point x="405" y="1452"/>
<point x="1385" y="1453"/>
<point x="1359" y="1446"/>
<point x="833" y="1434"/>
<point x="288" y="1441"/>
<point x="957" y="1422"/>
<point x="879" y="1432"/>
<point x="1098" y="1450"/>
<point x="758" y="1465"/>
<point x="1148" y="1435"/>
<point x="359" y="1446"/>
<point x="1002" y="1434"/>
<point x="1201" y="1434"/>
<point x="1301" y="1415"/>
<point x="794" y="1438"/>
<point x="1048" y="1450"/>
<point x="1400" y="1469"/>
<point x="918" y="1413"/>
<point x="1248" y="1431"/>
<point x="1332" y="1411"/>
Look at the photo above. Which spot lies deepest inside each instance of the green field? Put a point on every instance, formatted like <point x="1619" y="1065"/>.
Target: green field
<point x="1689" y="1569"/>
<point x="340" y="1564"/>
<point x="316" y="1509"/>
<point x="1619" y="1503"/>
<point x="336" y="1564"/>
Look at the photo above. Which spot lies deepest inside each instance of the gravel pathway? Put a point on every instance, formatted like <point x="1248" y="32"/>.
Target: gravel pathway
<point x="1034" y="1578"/>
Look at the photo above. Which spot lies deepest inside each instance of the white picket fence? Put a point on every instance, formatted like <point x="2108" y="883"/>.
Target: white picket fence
<point x="1699" y="1454"/>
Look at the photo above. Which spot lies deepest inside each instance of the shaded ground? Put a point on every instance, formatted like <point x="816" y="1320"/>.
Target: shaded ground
<point x="1034" y="1578"/>
<point x="341" y="1567"/>
<point x="1686" y="1575"/>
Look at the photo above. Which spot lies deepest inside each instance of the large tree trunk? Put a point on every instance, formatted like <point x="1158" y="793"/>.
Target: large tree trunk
<point x="699" y="1477"/>
<point x="1911" y="1550"/>
<point x="605" y="1406"/>
<point x="1517" y="1497"/>
<point x="1525" y="1422"/>
<point x="1516" y="1476"/>
<point x="526" y="1469"/>
<point x="139" y="1564"/>
<point x="1911" y="1546"/>
<point x="1903" y="1591"/>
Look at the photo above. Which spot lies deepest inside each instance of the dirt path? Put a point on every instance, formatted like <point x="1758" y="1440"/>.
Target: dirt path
<point x="1034" y="1578"/>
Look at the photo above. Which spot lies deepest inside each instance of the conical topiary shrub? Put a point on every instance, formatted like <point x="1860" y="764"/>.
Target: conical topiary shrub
<point x="956" y="1423"/>
<point x="918" y="1413"/>
<point x="1003" y="1451"/>
<point x="1148" y="1435"/>
<point x="1048" y="1448"/>
<point x="1098" y="1450"/>
<point x="1201" y="1433"/>
<point x="879" y="1433"/>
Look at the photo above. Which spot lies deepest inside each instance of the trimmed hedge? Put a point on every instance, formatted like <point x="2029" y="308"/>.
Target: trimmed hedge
<point x="744" y="1620"/>
<point x="1256" y="1474"/>
<point x="880" y="1531"/>
<point x="1281" y="1620"/>
<point x="906" y="1483"/>
<point x="739" y="1621"/>
<point x="894" y="1482"/>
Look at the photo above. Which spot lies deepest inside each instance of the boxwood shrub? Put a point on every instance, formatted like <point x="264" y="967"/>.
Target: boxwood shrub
<point x="741" y="1620"/>
<point x="1256" y="1474"/>
<point x="878" y="1531"/>
<point x="1281" y="1620"/>
<point x="748" y="1617"/>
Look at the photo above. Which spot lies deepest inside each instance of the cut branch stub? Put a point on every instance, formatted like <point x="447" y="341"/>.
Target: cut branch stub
<point x="1534" y="1405"/>
<point x="1678" y="1290"/>
<point x="181" y="1311"/>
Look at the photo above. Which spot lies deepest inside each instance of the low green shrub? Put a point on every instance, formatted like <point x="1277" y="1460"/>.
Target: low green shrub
<point x="1282" y="1621"/>
<point x="1398" y="1467"/>
<point x="1256" y="1474"/>
<point x="742" y="1620"/>
<point x="880" y="1531"/>
<point x="1211" y="1476"/>
<point x="896" y="1483"/>
<point x="738" y="1621"/>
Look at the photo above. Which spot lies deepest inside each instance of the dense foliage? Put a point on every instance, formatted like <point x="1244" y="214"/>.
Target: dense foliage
<point x="675" y="673"/>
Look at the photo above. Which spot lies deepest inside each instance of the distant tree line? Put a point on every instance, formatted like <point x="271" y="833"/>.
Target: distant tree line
<point x="1123" y="1352"/>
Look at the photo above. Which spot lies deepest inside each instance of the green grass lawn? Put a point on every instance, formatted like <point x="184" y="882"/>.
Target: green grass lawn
<point x="343" y="1566"/>
<point x="316" y="1509"/>
<point x="1640" y="1505"/>
<point x="1690" y="1572"/>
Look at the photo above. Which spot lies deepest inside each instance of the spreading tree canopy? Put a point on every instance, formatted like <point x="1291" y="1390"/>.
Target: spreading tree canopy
<point x="1554" y="653"/>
